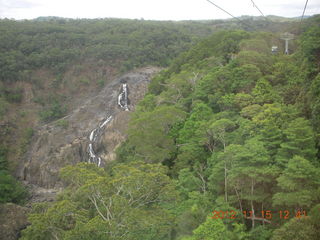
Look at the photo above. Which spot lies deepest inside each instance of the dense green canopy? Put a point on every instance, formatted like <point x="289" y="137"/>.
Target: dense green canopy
<point x="228" y="127"/>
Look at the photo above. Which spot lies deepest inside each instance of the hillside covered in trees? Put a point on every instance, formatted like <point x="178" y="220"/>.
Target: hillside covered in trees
<point x="225" y="145"/>
<point x="48" y="64"/>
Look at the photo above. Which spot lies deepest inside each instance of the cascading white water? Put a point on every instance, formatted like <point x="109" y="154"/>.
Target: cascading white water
<point x="91" y="135"/>
<point x="123" y="97"/>
<point x="93" y="158"/>
<point x="105" y="122"/>
<point x="123" y="103"/>
<point x="125" y="90"/>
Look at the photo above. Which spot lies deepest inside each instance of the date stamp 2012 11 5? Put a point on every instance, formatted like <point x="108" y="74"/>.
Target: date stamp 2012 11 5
<point x="282" y="214"/>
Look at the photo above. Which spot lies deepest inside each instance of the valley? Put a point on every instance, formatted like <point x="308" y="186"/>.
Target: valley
<point x="132" y="129"/>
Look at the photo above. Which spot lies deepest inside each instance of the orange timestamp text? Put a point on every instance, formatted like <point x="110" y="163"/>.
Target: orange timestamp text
<point x="265" y="214"/>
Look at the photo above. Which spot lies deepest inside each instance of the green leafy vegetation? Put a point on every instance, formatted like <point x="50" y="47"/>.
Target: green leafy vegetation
<point x="227" y="127"/>
<point x="48" y="64"/>
<point x="10" y="189"/>
<point x="54" y="111"/>
<point x="133" y="201"/>
<point x="25" y="140"/>
<point x="57" y="44"/>
<point x="62" y="123"/>
<point x="248" y="140"/>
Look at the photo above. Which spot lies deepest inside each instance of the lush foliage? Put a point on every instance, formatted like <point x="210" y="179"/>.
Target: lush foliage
<point x="57" y="43"/>
<point x="35" y="57"/>
<point x="10" y="189"/>
<point x="229" y="126"/>
<point x="248" y="139"/>
<point x="133" y="201"/>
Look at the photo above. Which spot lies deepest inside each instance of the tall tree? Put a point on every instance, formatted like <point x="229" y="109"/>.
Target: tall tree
<point x="299" y="140"/>
<point x="219" y="130"/>
<point x="299" y="184"/>
<point x="132" y="203"/>
<point x="149" y="133"/>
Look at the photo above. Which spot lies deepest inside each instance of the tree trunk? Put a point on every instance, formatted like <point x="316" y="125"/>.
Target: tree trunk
<point x="202" y="177"/>
<point x="252" y="207"/>
<point x="225" y="182"/>
<point x="225" y="174"/>
<point x="262" y="211"/>
<point x="239" y="199"/>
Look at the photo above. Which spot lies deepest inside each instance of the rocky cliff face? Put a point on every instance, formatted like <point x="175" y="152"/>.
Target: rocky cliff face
<point x="66" y="141"/>
<point x="13" y="218"/>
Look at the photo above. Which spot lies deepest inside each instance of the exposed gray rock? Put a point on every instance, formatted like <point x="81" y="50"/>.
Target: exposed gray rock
<point x="54" y="146"/>
<point x="13" y="218"/>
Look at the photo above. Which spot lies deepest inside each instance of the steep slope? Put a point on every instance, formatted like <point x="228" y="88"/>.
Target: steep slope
<point x="48" y="65"/>
<point x="248" y="146"/>
<point x="224" y="141"/>
<point x="93" y="130"/>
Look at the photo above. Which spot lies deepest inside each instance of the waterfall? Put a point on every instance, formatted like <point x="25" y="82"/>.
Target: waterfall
<point x="95" y="133"/>
<point x="123" y="98"/>
<point x="92" y="135"/>
<point x="93" y="158"/>
<point x="105" y="122"/>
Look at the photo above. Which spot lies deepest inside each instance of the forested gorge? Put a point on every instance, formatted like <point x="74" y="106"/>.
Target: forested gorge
<point x="47" y="62"/>
<point x="238" y="129"/>
<point x="225" y="144"/>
